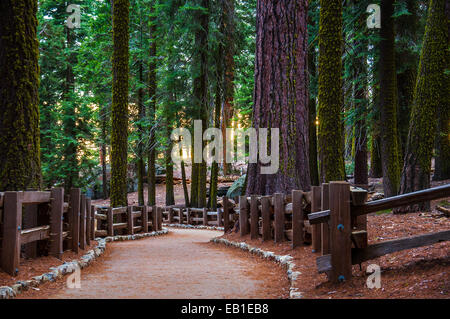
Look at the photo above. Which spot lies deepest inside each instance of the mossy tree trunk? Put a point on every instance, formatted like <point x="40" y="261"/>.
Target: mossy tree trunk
<point x="119" y="114"/>
<point x="431" y="92"/>
<point x="330" y="92"/>
<point x="388" y="102"/>
<point x="151" y="173"/>
<point x="313" y="163"/>
<point x="20" y="166"/>
<point x="442" y="159"/>
<point x="228" y="30"/>
<point x="200" y="90"/>
<point x="281" y="95"/>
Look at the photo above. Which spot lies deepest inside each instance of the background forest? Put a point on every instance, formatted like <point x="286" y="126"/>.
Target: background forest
<point x="195" y="59"/>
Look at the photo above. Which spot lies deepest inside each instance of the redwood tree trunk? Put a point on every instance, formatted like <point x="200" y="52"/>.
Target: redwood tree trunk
<point x="281" y="96"/>
<point x="388" y="102"/>
<point x="431" y="92"/>
<point x="20" y="166"/>
<point x="119" y="114"/>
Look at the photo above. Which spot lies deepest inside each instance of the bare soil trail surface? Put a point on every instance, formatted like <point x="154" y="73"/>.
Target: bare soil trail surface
<point x="182" y="264"/>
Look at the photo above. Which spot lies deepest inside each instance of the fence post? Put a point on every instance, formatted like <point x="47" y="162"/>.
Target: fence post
<point x="56" y="223"/>
<point x="254" y="217"/>
<point x="181" y="216"/>
<point x="226" y="214"/>
<point x="219" y="217"/>
<point x="83" y="221"/>
<point x="188" y="217"/>
<point x="205" y="216"/>
<point x="170" y="215"/>
<point x="340" y="225"/>
<point x="243" y="215"/>
<point x="12" y="226"/>
<point x="110" y="222"/>
<point x="88" y="221"/>
<point x="159" y="218"/>
<point x="265" y="214"/>
<point x="325" y="227"/>
<point x="130" y="221"/>
<point x="279" y="217"/>
<point x="298" y="236"/>
<point x="316" y="229"/>
<point x="144" y="219"/>
<point x="154" y="218"/>
<point x="92" y="212"/>
<point x="75" y="213"/>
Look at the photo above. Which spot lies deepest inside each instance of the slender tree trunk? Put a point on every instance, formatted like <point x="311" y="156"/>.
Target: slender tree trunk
<point x="20" y="166"/>
<point x="331" y="160"/>
<point x="69" y="123"/>
<point x="103" y="124"/>
<point x="313" y="164"/>
<point x="228" y="29"/>
<point x="431" y="92"/>
<point x="119" y="134"/>
<point x="194" y="180"/>
<point x="281" y="95"/>
<point x="185" y="188"/>
<point x="200" y="83"/>
<point x="388" y="102"/>
<point x="140" y="162"/>
<point x="151" y="173"/>
<point x="442" y="159"/>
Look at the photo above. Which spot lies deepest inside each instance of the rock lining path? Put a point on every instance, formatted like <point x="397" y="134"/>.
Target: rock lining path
<point x="182" y="264"/>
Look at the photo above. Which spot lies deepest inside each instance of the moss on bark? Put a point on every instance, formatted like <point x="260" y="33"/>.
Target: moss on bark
<point x="431" y="91"/>
<point x="330" y="91"/>
<point x="20" y="166"/>
<point x="119" y="114"/>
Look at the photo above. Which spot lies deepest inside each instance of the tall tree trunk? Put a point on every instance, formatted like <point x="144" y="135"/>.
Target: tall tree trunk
<point x="227" y="28"/>
<point x="442" y="159"/>
<point x="388" y="102"/>
<point x="194" y="180"/>
<point x="313" y="164"/>
<point x="431" y="92"/>
<point x="200" y="89"/>
<point x="119" y="114"/>
<point x="331" y="159"/>
<point x="20" y="166"/>
<point x="281" y="96"/>
<point x="103" y="124"/>
<point x="151" y="173"/>
<point x="140" y="161"/>
<point x="69" y="123"/>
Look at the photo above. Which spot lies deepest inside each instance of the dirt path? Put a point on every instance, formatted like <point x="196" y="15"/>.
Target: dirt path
<point x="182" y="264"/>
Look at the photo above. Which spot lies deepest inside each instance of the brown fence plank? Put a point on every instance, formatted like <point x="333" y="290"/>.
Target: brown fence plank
<point x="88" y="221"/>
<point x="297" y="219"/>
<point x="12" y="223"/>
<point x="340" y="226"/>
<point x="92" y="212"/>
<point x="110" y="222"/>
<point x="83" y="221"/>
<point x="325" y="227"/>
<point x="75" y="212"/>
<point x="243" y="216"/>
<point x="266" y="222"/>
<point x="130" y="220"/>
<point x="279" y="217"/>
<point x="56" y="225"/>
<point x="226" y="214"/>
<point x="144" y="219"/>
<point x="254" y="217"/>
<point x="159" y="213"/>
<point x="205" y="216"/>
<point x="316" y="229"/>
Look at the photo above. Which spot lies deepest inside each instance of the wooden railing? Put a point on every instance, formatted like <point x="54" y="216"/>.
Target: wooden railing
<point x="127" y="220"/>
<point x="345" y="221"/>
<point x="32" y="216"/>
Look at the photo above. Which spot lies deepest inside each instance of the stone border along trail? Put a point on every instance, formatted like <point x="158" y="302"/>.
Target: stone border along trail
<point x="180" y="265"/>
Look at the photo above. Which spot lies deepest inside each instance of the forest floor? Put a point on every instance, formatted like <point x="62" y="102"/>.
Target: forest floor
<point x="180" y="265"/>
<point x="422" y="272"/>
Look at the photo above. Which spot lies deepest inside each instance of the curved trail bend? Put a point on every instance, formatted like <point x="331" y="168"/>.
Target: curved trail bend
<point x="182" y="264"/>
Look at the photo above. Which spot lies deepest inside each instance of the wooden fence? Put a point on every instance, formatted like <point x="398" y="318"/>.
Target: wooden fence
<point x="344" y="220"/>
<point x="180" y="214"/>
<point x="44" y="224"/>
<point x="279" y="217"/>
<point x="127" y="220"/>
